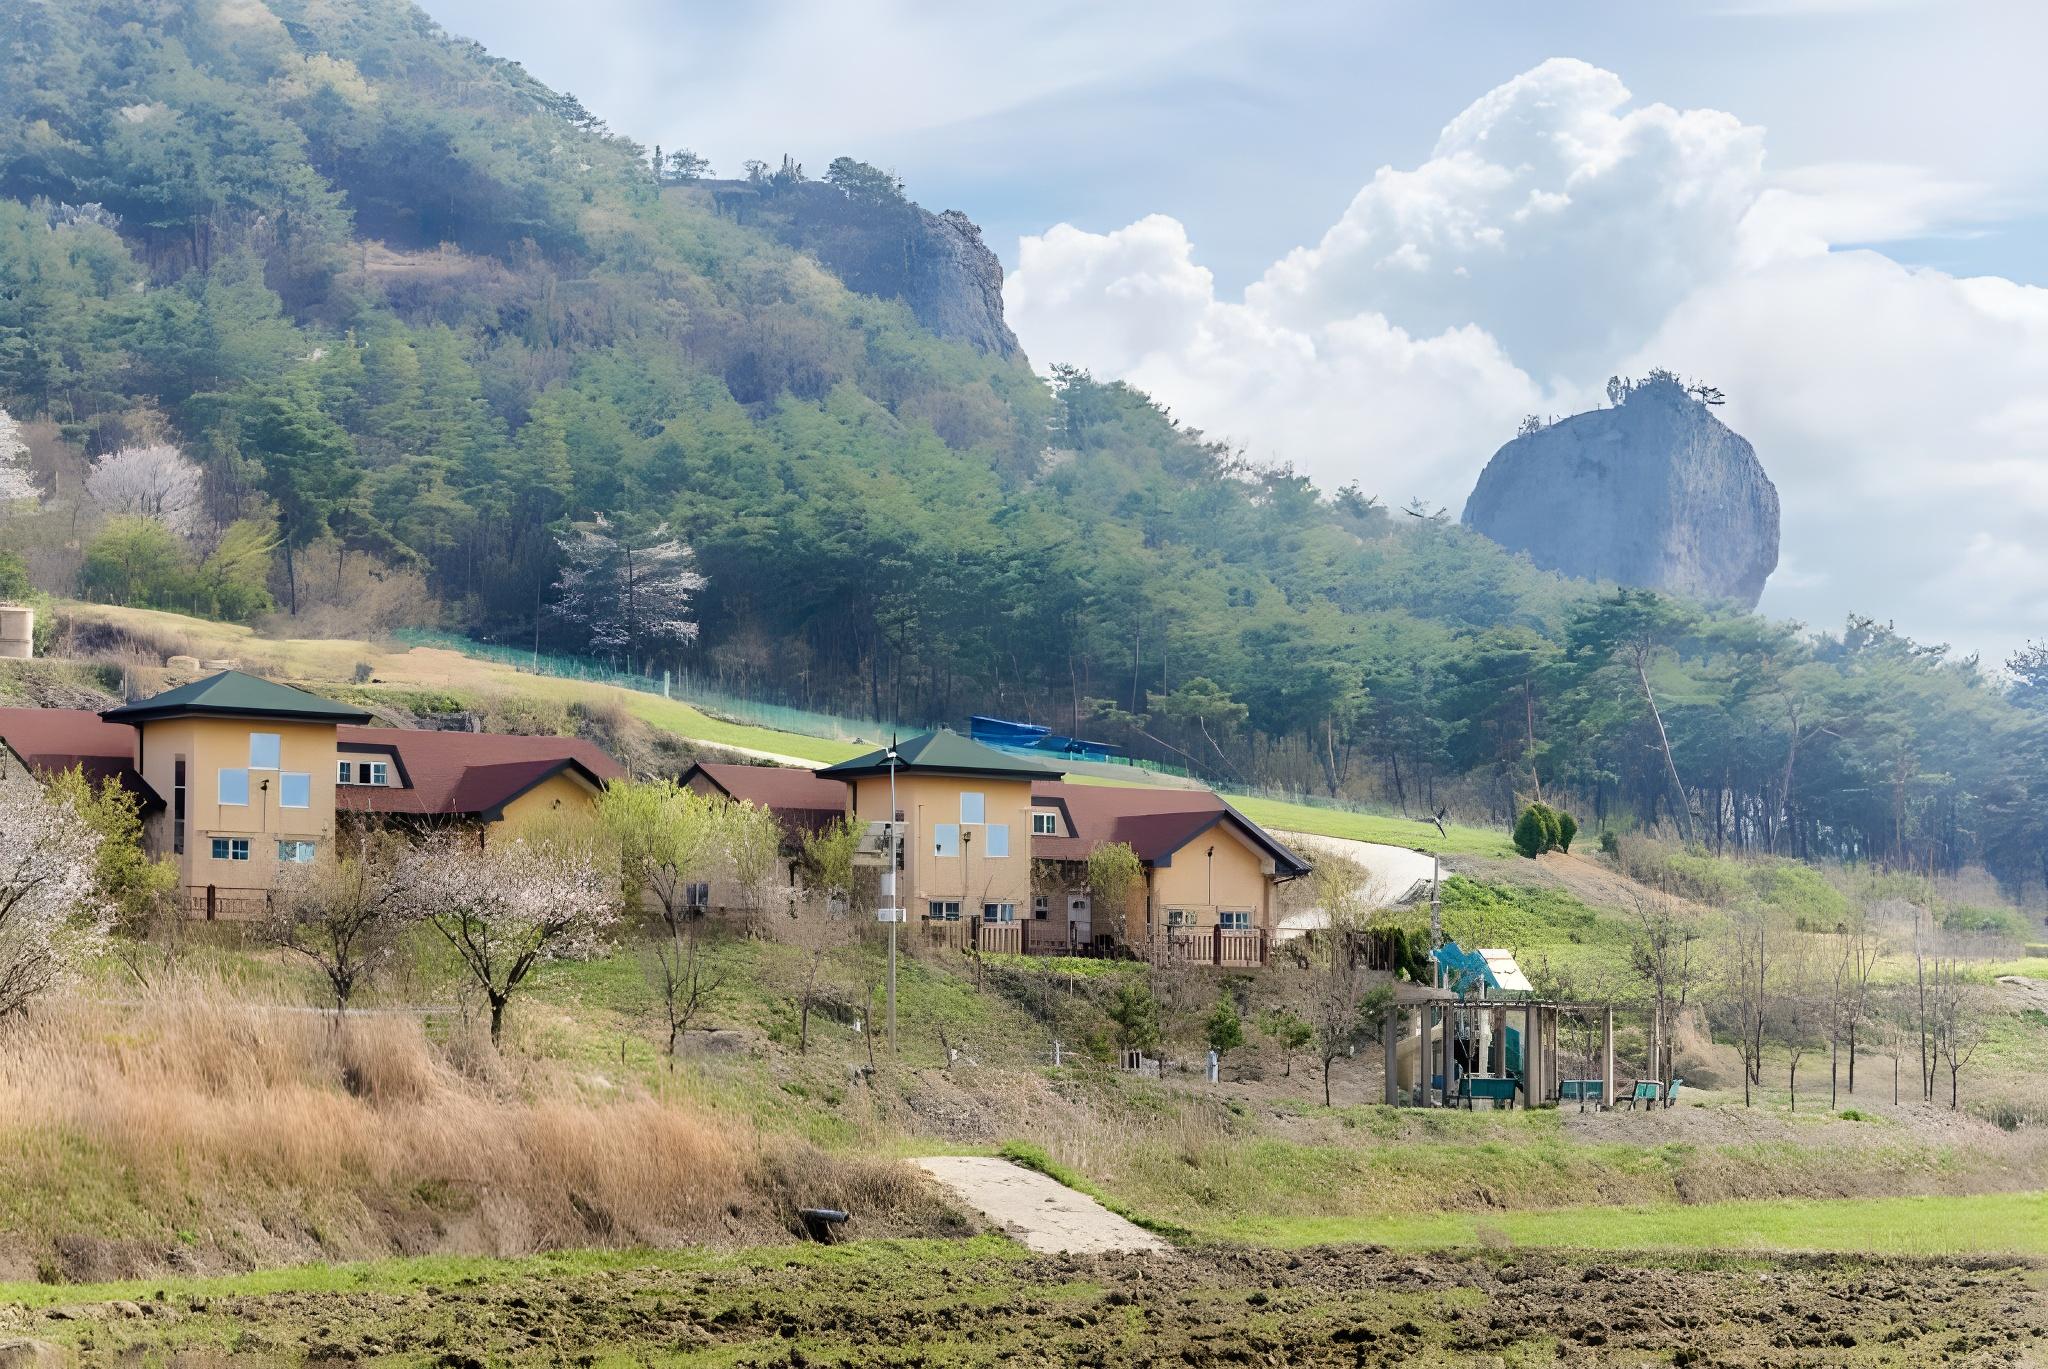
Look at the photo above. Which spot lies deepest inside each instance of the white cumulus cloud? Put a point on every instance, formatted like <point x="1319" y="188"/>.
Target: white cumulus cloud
<point x="1560" y="231"/>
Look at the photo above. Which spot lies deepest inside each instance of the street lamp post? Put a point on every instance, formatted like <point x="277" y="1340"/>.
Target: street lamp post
<point x="889" y="899"/>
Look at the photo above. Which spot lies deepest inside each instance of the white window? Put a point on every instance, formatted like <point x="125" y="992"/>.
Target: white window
<point x="372" y="772"/>
<point x="972" y="806"/>
<point x="998" y="912"/>
<point x="1045" y="824"/>
<point x="344" y="773"/>
<point x="1235" y="921"/>
<point x="265" y="748"/>
<point x="939" y="910"/>
<point x="234" y="786"/>
<point x="998" y="839"/>
<point x="294" y="790"/>
<point x="945" y="839"/>
<point x="1179" y="917"/>
<point x="230" y="848"/>
<point x="697" y="894"/>
<point x="295" y="852"/>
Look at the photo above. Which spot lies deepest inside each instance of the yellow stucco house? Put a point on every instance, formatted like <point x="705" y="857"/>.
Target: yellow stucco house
<point x="240" y="776"/>
<point x="995" y="850"/>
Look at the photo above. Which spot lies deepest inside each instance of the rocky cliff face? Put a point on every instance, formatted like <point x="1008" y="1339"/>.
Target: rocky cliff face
<point x="1655" y="492"/>
<point x="935" y="263"/>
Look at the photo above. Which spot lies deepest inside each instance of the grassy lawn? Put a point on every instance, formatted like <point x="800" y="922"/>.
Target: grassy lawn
<point x="1380" y="827"/>
<point x="2005" y="1223"/>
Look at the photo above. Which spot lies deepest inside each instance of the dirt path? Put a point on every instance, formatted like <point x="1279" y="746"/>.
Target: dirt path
<point x="1046" y="1216"/>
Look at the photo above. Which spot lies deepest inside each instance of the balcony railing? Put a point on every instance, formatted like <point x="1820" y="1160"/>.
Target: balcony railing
<point x="1227" y="948"/>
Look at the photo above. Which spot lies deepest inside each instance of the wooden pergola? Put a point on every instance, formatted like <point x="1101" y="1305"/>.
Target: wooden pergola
<point x="1433" y="1017"/>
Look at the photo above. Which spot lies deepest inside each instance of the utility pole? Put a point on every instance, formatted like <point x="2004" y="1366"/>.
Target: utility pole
<point x="890" y="905"/>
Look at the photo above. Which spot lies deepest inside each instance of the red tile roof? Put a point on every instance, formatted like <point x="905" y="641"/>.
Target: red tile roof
<point x="442" y="773"/>
<point x="461" y="773"/>
<point x="1154" y="822"/>
<point x="50" y="740"/>
<point x="802" y="799"/>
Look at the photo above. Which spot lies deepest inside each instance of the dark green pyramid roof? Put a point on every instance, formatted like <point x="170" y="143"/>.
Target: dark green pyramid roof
<point x="231" y="694"/>
<point x="944" y="752"/>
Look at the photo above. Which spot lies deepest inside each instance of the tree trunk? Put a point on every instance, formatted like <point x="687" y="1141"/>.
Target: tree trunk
<point x="497" y="1002"/>
<point x="1326" y="1081"/>
<point x="1664" y="742"/>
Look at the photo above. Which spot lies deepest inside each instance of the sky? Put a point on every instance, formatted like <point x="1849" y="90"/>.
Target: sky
<point x="1365" y="239"/>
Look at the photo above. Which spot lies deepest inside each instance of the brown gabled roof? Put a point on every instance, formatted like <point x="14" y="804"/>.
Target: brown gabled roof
<point x="52" y="740"/>
<point x="463" y="774"/>
<point x="802" y="800"/>
<point x="1155" y="823"/>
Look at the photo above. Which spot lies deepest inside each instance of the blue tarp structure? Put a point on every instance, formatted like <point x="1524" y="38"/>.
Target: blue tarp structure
<point x="1016" y="736"/>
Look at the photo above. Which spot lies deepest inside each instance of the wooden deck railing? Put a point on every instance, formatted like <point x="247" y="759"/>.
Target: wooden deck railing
<point x="1225" y="948"/>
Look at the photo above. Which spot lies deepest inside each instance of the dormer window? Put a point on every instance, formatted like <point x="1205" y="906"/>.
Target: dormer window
<point x="362" y="772"/>
<point x="1045" y="824"/>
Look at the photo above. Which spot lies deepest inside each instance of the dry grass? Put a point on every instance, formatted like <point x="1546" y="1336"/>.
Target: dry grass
<point x="193" y="1129"/>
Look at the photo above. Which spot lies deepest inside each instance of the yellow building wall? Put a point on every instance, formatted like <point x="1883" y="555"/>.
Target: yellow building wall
<point x="210" y="745"/>
<point x="566" y="791"/>
<point x="1236" y="879"/>
<point x="973" y="877"/>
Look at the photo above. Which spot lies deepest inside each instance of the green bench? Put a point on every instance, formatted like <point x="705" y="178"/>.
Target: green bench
<point x="1582" y="1090"/>
<point x="1494" y="1089"/>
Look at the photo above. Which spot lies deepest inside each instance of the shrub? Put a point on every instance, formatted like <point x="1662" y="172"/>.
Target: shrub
<point x="1610" y="844"/>
<point x="1543" y="828"/>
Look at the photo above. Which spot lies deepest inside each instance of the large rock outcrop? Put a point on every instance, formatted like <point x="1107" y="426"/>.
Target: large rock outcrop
<point x="1656" y="492"/>
<point x="892" y="249"/>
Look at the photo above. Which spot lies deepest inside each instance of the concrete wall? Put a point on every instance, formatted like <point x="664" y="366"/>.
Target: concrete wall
<point x="17" y="632"/>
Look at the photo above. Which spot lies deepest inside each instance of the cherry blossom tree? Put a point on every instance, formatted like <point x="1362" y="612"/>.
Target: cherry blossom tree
<point x="509" y="907"/>
<point x="629" y="596"/>
<point x="155" y="481"/>
<point x="16" y="483"/>
<point x="49" y="920"/>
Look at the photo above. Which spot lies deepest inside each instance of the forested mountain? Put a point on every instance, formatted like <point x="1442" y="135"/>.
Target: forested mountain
<point x="306" y="301"/>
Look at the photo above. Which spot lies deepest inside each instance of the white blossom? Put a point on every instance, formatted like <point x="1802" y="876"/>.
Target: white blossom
<point x="511" y="906"/>
<point x="16" y="482"/>
<point x="628" y="595"/>
<point x="49" y="920"/>
<point x="155" y="481"/>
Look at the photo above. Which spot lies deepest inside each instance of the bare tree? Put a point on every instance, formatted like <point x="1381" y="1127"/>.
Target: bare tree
<point x="1663" y="952"/>
<point x="511" y="907"/>
<point x="688" y="976"/>
<point x="49" y="919"/>
<point x="817" y="934"/>
<point x="1959" y="1024"/>
<point x="1797" y="1012"/>
<point x="1746" y="961"/>
<point x="153" y="481"/>
<point x="342" y="911"/>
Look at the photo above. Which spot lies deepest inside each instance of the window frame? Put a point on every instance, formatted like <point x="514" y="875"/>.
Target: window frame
<point x="1045" y="823"/>
<point x="1235" y="920"/>
<point x="344" y="772"/>
<point x="1000" y="914"/>
<point x="301" y="852"/>
<point x="942" y="910"/>
<point x="1180" y="919"/>
<point x="230" y="848"/>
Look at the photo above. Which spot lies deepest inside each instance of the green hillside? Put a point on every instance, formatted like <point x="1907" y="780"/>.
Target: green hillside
<point x="438" y="348"/>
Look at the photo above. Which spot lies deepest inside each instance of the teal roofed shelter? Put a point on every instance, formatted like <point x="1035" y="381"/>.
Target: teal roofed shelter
<point x="233" y="694"/>
<point x="942" y="752"/>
